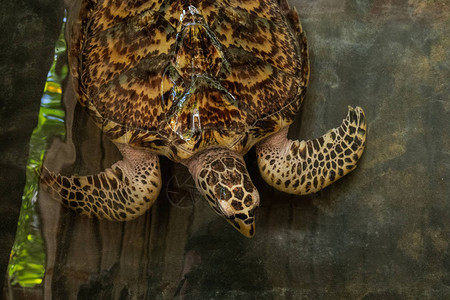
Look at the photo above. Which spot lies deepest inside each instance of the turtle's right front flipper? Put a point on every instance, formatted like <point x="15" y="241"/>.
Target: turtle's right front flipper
<point x="305" y="167"/>
<point x="121" y="193"/>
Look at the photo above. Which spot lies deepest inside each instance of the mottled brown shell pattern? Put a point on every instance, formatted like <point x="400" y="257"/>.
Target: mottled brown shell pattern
<point x="179" y="76"/>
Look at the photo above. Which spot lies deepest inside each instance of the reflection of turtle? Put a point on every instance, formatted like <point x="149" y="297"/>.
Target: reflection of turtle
<point x="200" y="82"/>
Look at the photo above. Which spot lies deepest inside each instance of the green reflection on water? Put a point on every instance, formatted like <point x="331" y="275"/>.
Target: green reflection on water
<point x="27" y="260"/>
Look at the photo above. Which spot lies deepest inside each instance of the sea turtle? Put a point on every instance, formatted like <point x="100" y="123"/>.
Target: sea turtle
<point x="200" y="82"/>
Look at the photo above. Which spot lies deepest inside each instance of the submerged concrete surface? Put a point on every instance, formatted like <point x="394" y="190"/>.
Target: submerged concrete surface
<point x="381" y="232"/>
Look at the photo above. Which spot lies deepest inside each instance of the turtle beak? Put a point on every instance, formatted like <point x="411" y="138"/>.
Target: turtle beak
<point x="244" y="223"/>
<point x="247" y="230"/>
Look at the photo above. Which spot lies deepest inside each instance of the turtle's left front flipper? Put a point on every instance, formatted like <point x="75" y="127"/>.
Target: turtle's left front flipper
<point x="121" y="193"/>
<point x="305" y="167"/>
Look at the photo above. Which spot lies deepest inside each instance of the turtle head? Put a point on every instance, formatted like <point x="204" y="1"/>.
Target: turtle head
<point x="222" y="178"/>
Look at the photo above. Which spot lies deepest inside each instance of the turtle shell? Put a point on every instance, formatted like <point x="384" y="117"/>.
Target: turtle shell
<point x="180" y="76"/>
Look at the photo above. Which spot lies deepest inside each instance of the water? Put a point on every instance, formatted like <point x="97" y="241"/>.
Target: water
<point x="27" y="262"/>
<point x="381" y="232"/>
